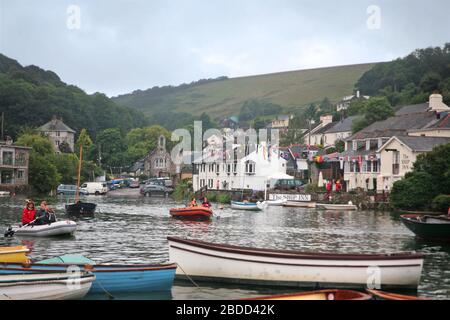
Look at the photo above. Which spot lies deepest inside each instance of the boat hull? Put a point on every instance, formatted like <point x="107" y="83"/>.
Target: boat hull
<point x="44" y="286"/>
<point x="248" y="206"/>
<point x="380" y="295"/>
<point x="112" y="278"/>
<point x="276" y="203"/>
<point x="345" y="207"/>
<point x="299" y="204"/>
<point x="81" y="208"/>
<point x="59" y="228"/>
<point x="223" y="263"/>
<point x="429" y="229"/>
<point x="194" y="213"/>
<point x="14" y="254"/>
<point x="319" y="295"/>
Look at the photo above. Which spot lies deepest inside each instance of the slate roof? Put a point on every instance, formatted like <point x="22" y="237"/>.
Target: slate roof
<point x="344" y="125"/>
<point x="423" y="144"/>
<point x="415" y="108"/>
<point x="325" y="128"/>
<point x="56" y="125"/>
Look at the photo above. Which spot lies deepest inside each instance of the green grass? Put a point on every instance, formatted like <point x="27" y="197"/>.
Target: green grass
<point x="225" y="98"/>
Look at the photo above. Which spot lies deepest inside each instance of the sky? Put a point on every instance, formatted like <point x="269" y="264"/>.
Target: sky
<point x="116" y="47"/>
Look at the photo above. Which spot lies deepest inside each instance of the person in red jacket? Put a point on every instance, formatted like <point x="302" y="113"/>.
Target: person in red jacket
<point x="28" y="213"/>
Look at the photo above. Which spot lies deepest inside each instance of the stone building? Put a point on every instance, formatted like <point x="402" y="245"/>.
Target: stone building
<point x="159" y="163"/>
<point x="58" y="132"/>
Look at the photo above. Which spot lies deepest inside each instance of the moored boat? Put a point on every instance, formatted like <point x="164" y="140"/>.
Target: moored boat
<point x="5" y="193"/>
<point x="16" y="254"/>
<point x="45" y="286"/>
<point x="275" y="203"/>
<point x="299" y="204"/>
<point x="81" y="208"/>
<point x="110" y="278"/>
<point x="331" y="294"/>
<point x="330" y="206"/>
<point x="428" y="227"/>
<point x="59" y="228"/>
<point x="192" y="213"/>
<point x="381" y="295"/>
<point x="249" y="206"/>
<point x="227" y="263"/>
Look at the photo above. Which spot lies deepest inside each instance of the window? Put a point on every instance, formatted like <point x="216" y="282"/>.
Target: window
<point x="217" y="168"/>
<point x="58" y="133"/>
<point x="369" y="166"/>
<point x="6" y="177"/>
<point x="235" y="167"/>
<point x="21" y="158"/>
<point x="8" y="158"/>
<point x="250" y="167"/>
<point x="375" y="166"/>
<point x="202" y="183"/>
<point x="228" y="168"/>
<point x="20" y="175"/>
<point x="210" y="183"/>
<point x="396" y="163"/>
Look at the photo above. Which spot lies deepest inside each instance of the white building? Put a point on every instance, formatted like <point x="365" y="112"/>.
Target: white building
<point x="346" y="101"/>
<point x="261" y="167"/>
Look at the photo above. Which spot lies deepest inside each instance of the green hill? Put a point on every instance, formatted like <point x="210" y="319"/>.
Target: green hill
<point x="225" y="97"/>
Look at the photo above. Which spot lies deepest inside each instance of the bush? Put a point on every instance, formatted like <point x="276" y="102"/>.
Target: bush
<point x="415" y="192"/>
<point x="441" y="203"/>
<point x="212" y="196"/>
<point x="223" y="198"/>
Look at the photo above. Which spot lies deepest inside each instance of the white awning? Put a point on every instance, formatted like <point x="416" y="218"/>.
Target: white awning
<point x="280" y="175"/>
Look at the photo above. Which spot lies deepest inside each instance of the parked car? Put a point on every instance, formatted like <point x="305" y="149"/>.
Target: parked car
<point x="155" y="189"/>
<point x="160" y="181"/>
<point x="96" y="188"/>
<point x="70" y="190"/>
<point x="135" y="184"/>
<point x="289" y="184"/>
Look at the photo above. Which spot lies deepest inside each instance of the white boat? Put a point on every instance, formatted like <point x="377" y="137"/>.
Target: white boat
<point x="45" y="286"/>
<point x="331" y="206"/>
<point x="48" y="230"/>
<point x="204" y="261"/>
<point x="279" y="202"/>
<point x="299" y="204"/>
<point x="249" y="206"/>
<point x="5" y="193"/>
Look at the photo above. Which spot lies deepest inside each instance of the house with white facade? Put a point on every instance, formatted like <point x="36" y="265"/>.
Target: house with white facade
<point x="255" y="171"/>
<point x="346" y="101"/>
<point x="329" y="132"/>
<point x="385" y="151"/>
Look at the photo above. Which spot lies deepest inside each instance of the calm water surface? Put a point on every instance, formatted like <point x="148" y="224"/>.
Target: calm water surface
<point x="134" y="230"/>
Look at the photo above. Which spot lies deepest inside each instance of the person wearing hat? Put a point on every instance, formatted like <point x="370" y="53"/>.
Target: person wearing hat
<point x="28" y="213"/>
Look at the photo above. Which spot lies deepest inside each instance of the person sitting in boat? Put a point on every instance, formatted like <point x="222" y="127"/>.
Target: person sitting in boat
<point x="206" y="203"/>
<point x="28" y="213"/>
<point x="193" y="203"/>
<point x="45" y="215"/>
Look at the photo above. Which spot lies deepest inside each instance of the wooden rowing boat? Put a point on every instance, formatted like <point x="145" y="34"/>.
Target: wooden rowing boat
<point x="299" y="204"/>
<point x="226" y="263"/>
<point x="428" y="227"/>
<point x="192" y="213"/>
<point x="14" y="254"/>
<point x="45" y="286"/>
<point x="330" y="206"/>
<point x="276" y="203"/>
<point x="381" y="295"/>
<point x="319" y="295"/>
<point x="112" y="278"/>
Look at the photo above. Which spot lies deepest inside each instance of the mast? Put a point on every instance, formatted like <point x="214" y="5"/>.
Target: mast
<point x="3" y="120"/>
<point x="77" y="195"/>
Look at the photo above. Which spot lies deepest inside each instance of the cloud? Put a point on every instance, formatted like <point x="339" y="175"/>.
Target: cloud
<point x="126" y="45"/>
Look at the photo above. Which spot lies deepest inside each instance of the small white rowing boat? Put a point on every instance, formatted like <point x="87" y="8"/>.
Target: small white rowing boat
<point x="249" y="206"/>
<point x="279" y="202"/>
<point x="45" y="286"/>
<point x="47" y="230"/>
<point x="299" y="204"/>
<point x="5" y="193"/>
<point x="330" y="206"/>
<point x="203" y="261"/>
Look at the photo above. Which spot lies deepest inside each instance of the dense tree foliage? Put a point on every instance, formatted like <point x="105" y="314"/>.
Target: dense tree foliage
<point x="252" y="109"/>
<point x="429" y="178"/>
<point x="30" y="97"/>
<point x="141" y="141"/>
<point x="411" y="79"/>
<point x="372" y="110"/>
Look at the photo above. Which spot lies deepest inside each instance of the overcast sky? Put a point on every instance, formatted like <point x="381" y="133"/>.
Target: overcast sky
<point x="121" y="46"/>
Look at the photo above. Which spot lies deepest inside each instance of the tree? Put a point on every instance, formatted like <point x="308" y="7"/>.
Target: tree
<point x="141" y="141"/>
<point x="113" y="148"/>
<point x="64" y="147"/>
<point x="83" y="140"/>
<point x="67" y="165"/>
<point x="43" y="174"/>
<point x="326" y="106"/>
<point x="376" y="109"/>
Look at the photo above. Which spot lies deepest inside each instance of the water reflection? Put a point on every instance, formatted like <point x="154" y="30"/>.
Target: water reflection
<point x="134" y="230"/>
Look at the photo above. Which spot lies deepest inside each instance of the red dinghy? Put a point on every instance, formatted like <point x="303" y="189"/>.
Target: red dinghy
<point x="192" y="213"/>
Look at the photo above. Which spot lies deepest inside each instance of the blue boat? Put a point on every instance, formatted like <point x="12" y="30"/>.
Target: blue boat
<point x="110" y="278"/>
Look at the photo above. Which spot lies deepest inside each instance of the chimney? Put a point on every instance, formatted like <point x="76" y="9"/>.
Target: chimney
<point x="326" y="119"/>
<point x="358" y="95"/>
<point x="436" y="103"/>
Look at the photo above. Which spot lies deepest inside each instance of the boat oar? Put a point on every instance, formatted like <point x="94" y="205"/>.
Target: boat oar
<point x="10" y="232"/>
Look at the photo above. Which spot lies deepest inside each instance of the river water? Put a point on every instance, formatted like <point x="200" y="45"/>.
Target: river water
<point x="134" y="230"/>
